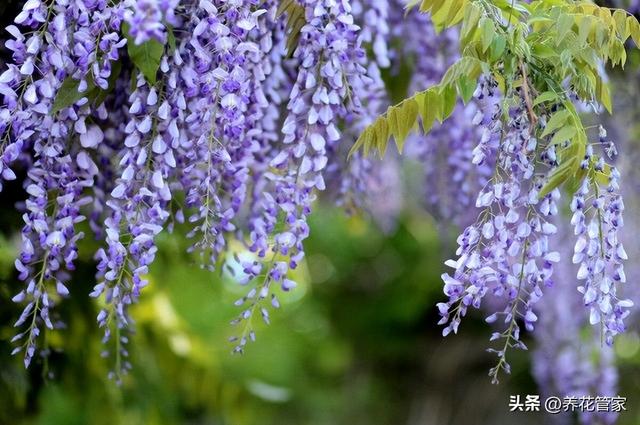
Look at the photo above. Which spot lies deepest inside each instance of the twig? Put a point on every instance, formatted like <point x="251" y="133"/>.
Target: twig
<point x="533" y="118"/>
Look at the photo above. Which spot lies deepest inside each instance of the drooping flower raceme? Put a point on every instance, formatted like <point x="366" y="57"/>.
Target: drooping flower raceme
<point x="373" y="17"/>
<point x="62" y="47"/>
<point x="600" y="253"/>
<point x="226" y="104"/>
<point x="329" y="59"/>
<point x="570" y="360"/>
<point x="505" y="253"/>
<point x="362" y="183"/>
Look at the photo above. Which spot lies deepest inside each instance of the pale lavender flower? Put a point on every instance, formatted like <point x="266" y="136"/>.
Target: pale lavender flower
<point x="148" y="19"/>
<point x="505" y="253"/>
<point x="566" y="363"/>
<point x="328" y="57"/>
<point x="597" y="218"/>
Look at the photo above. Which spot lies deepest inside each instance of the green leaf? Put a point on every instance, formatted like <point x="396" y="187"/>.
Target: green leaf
<point x="171" y="38"/>
<point x="488" y="31"/>
<point x="402" y="119"/>
<point x="602" y="177"/>
<point x="564" y="134"/>
<point x="497" y="47"/>
<point x="601" y="35"/>
<point x="381" y="134"/>
<point x="450" y="18"/>
<point x="449" y="97"/>
<point x="565" y="22"/>
<point x="472" y="15"/>
<point x="466" y="87"/>
<point x="392" y="119"/>
<point x="437" y="5"/>
<point x="467" y="66"/>
<point x="428" y="105"/>
<point x="558" y="176"/>
<point x="604" y="95"/>
<point x="146" y="56"/>
<point x="569" y="168"/>
<point x="618" y="53"/>
<point x="575" y="180"/>
<point x="295" y="22"/>
<point x="544" y="51"/>
<point x="365" y="141"/>
<point x="283" y="6"/>
<point x="545" y="97"/>
<point x="133" y="82"/>
<point x="425" y="6"/>
<point x="556" y="121"/>
<point x="584" y="28"/>
<point x="68" y="94"/>
<point x="622" y="27"/>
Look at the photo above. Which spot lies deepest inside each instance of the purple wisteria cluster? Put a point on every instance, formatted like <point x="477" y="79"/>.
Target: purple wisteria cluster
<point x="505" y="254"/>
<point x="570" y="360"/>
<point x="359" y="182"/>
<point x="140" y="115"/>
<point x="508" y="254"/>
<point x="573" y="357"/>
<point x="600" y="254"/>
<point x="47" y="52"/>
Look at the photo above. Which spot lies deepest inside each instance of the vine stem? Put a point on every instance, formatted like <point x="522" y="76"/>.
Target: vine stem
<point x="533" y="118"/>
<point x="601" y="240"/>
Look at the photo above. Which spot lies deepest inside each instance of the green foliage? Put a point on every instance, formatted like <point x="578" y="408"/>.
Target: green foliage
<point x="434" y="103"/>
<point x="295" y="21"/>
<point x="541" y="48"/>
<point x="69" y="93"/>
<point x="171" y="38"/>
<point x="146" y="56"/>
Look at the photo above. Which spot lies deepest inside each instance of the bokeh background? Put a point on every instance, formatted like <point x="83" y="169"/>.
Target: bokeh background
<point x="356" y="343"/>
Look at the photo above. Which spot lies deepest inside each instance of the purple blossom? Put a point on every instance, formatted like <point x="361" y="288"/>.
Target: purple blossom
<point x="148" y="19"/>
<point x="505" y="253"/>
<point x="328" y="58"/>
<point x="373" y="17"/>
<point x="600" y="254"/>
<point x="565" y="362"/>
<point x="225" y="107"/>
<point x="60" y="170"/>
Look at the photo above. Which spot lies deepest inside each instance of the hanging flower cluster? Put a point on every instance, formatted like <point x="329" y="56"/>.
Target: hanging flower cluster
<point x="139" y="114"/>
<point x="525" y="140"/>
<point x="600" y="254"/>
<point x="506" y="252"/>
<point x="570" y="360"/>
